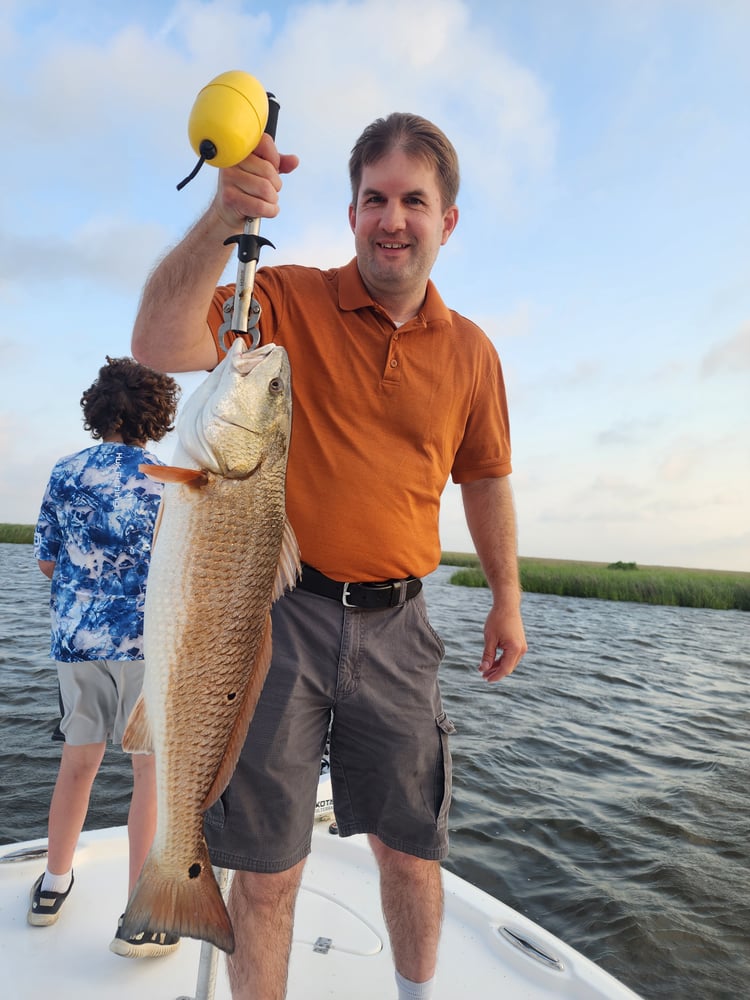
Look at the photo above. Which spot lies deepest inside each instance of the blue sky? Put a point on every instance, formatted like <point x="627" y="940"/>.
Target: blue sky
<point x="603" y="242"/>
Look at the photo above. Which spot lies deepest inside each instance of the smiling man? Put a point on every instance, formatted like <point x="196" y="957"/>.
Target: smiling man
<point x="399" y="230"/>
<point x="393" y="392"/>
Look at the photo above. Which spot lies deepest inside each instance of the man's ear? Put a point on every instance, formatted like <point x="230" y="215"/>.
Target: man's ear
<point x="352" y="216"/>
<point x="450" y="221"/>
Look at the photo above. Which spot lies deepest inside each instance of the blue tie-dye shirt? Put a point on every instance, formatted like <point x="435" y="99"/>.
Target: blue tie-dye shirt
<point x="96" y="524"/>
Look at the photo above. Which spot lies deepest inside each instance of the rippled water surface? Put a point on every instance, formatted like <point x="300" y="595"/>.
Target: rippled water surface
<point x="602" y="790"/>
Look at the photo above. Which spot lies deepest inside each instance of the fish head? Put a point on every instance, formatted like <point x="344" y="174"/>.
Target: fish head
<point x="240" y="416"/>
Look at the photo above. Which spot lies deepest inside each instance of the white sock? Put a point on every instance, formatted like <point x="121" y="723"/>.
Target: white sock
<point x="407" y="990"/>
<point x="56" y="883"/>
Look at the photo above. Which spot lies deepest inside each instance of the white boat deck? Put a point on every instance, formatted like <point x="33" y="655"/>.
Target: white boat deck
<point x="340" y="947"/>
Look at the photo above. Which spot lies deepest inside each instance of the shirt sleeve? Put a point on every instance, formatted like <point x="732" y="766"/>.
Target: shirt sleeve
<point x="485" y="452"/>
<point x="47" y="534"/>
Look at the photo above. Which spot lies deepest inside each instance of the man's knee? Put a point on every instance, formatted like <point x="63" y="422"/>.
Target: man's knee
<point x="405" y="865"/>
<point x="262" y="890"/>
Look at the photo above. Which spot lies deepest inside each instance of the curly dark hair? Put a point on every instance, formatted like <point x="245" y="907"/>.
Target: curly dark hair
<point x="131" y="400"/>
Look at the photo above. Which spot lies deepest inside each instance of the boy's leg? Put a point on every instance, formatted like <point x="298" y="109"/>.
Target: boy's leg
<point x="142" y="814"/>
<point x="70" y="802"/>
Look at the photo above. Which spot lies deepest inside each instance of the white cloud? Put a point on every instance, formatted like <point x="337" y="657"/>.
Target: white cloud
<point x="633" y="431"/>
<point x="732" y="355"/>
<point x="106" y="249"/>
<point x="519" y="322"/>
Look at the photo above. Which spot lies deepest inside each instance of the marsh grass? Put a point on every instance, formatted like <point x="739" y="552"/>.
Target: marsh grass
<point x="22" y="533"/>
<point x="619" y="581"/>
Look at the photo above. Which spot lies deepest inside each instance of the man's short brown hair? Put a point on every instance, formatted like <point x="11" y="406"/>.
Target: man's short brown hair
<point x="418" y="138"/>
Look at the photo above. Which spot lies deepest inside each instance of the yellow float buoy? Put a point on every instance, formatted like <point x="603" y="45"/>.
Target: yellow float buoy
<point x="228" y="118"/>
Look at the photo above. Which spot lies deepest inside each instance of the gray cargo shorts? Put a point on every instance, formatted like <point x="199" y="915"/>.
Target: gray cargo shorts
<point x="371" y="675"/>
<point x="97" y="697"/>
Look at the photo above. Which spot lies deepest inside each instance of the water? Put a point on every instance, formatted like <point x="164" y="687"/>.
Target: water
<point x="603" y="789"/>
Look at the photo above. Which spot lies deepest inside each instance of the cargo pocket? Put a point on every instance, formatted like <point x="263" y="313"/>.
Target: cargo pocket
<point x="444" y="771"/>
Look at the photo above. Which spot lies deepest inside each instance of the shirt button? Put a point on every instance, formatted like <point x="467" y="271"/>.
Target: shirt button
<point x="394" y="363"/>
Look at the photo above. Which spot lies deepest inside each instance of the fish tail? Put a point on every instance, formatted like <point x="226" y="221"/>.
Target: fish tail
<point x="188" y="906"/>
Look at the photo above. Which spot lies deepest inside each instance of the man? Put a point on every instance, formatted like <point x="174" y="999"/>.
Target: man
<point x="392" y="393"/>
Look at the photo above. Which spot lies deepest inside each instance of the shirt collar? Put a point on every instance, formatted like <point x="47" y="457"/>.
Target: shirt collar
<point x="354" y="295"/>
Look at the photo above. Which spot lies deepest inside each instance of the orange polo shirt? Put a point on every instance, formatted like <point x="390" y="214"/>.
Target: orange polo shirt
<point x="381" y="416"/>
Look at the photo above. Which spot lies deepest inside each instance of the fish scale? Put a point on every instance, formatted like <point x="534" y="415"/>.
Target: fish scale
<point x="223" y="553"/>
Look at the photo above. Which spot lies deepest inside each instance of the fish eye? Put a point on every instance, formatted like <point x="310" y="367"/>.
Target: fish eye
<point x="275" y="385"/>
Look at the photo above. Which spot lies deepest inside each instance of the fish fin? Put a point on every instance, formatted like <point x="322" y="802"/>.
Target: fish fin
<point x="174" y="474"/>
<point x="289" y="569"/>
<point x="242" y="723"/>
<point x="137" y="737"/>
<point x="157" y="525"/>
<point x="189" y="905"/>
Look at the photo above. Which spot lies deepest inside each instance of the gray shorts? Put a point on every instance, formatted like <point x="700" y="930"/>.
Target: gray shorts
<point x="97" y="697"/>
<point x="371" y="675"/>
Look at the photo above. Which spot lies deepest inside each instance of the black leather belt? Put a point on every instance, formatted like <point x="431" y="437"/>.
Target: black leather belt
<point x="370" y="596"/>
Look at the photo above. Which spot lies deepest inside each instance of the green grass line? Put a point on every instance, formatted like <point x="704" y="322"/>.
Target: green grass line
<point x="21" y="533"/>
<point x="618" y="581"/>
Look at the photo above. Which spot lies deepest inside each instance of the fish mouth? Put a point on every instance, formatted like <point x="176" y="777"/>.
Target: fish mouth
<point x="246" y="361"/>
<point x="235" y="423"/>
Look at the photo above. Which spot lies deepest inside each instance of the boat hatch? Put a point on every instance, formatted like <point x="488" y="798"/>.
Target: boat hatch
<point x="532" y="949"/>
<point x="25" y="854"/>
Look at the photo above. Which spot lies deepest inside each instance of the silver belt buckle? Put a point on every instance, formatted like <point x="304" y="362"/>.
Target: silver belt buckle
<point x="345" y="597"/>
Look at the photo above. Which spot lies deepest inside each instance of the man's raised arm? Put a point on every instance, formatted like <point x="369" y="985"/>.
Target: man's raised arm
<point x="171" y="331"/>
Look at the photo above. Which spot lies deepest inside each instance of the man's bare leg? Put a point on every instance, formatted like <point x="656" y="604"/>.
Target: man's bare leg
<point x="262" y="910"/>
<point x="411" y="891"/>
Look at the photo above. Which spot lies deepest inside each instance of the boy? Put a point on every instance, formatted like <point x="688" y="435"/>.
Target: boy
<point x="93" y="540"/>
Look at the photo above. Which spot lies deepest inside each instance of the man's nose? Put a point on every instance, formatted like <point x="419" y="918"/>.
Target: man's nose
<point x="393" y="218"/>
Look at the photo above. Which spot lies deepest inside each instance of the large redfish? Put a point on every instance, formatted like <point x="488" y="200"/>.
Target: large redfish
<point x="224" y="551"/>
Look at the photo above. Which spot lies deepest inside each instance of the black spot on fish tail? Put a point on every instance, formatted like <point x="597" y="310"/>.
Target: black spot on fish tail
<point x="188" y="907"/>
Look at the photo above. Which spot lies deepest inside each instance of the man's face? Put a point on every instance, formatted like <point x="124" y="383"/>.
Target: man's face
<point x="399" y="224"/>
